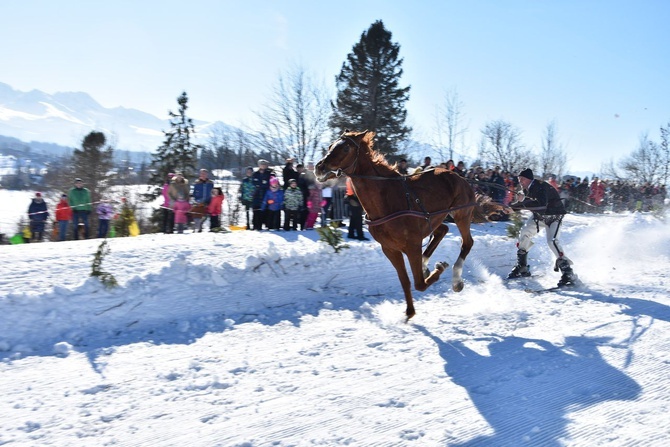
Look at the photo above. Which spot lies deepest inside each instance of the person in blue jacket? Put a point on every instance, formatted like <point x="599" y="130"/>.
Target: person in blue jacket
<point x="202" y="195"/>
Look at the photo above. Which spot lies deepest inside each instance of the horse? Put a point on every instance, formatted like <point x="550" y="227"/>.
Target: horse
<point x="402" y="210"/>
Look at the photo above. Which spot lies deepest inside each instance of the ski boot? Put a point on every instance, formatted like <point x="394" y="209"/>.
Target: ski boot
<point x="568" y="277"/>
<point x="521" y="269"/>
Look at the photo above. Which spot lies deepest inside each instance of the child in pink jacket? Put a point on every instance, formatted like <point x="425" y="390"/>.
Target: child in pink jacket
<point x="181" y="209"/>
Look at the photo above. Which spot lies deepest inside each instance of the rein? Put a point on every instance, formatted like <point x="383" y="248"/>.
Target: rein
<point x="424" y="214"/>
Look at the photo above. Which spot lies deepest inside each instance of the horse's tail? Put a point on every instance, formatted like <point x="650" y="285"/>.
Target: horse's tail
<point x="487" y="210"/>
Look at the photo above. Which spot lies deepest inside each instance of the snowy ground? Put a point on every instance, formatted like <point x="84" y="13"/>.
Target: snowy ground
<point x="258" y="339"/>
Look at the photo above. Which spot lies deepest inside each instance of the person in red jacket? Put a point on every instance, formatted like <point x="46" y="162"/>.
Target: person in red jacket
<point x="214" y="209"/>
<point x="63" y="216"/>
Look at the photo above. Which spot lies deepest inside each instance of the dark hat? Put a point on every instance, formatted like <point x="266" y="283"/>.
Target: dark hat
<point x="527" y="173"/>
<point x="38" y="194"/>
<point x="78" y="180"/>
<point x="63" y="195"/>
<point x="293" y="180"/>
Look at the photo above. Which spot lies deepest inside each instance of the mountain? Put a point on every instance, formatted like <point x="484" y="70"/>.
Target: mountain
<point x="65" y="118"/>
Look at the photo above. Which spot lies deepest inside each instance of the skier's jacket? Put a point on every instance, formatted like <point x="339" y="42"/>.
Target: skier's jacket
<point x="542" y="199"/>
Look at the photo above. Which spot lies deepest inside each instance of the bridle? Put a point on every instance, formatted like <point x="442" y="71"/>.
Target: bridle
<point x="346" y="139"/>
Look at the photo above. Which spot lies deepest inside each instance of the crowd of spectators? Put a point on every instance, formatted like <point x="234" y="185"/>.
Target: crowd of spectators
<point x="299" y="201"/>
<point x="580" y="195"/>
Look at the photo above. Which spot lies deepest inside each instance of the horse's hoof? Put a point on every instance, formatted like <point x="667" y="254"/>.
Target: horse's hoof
<point x="441" y="266"/>
<point x="409" y="314"/>
<point x="458" y="286"/>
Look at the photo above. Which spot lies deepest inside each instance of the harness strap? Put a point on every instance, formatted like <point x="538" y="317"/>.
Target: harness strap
<point x="424" y="215"/>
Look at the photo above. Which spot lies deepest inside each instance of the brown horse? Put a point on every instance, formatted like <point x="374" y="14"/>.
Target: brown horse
<point x="403" y="210"/>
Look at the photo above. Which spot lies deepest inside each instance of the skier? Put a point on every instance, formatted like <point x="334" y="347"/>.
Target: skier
<point x="543" y="200"/>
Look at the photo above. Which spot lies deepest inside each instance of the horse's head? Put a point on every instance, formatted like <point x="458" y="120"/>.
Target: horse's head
<point x="342" y="155"/>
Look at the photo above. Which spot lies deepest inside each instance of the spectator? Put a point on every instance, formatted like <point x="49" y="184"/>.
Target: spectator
<point x="327" y="196"/>
<point x="63" y="216"/>
<point x="202" y="194"/>
<point x="303" y="184"/>
<point x="460" y="169"/>
<point x="402" y="167"/>
<point x="214" y="209"/>
<point x="80" y="202"/>
<point x="181" y="209"/>
<point x="426" y="164"/>
<point x="582" y="193"/>
<point x="246" y="194"/>
<point x="178" y="187"/>
<point x="293" y="203"/>
<point x="498" y="189"/>
<point x="105" y="213"/>
<point x="355" y="213"/>
<point x="313" y="205"/>
<point x="38" y="215"/>
<point x="168" y="214"/>
<point x="289" y="172"/>
<point x="597" y="192"/>
<point x="261" y="181"/>
<point x="202" y="188"/>
<point x="272" y="204"/>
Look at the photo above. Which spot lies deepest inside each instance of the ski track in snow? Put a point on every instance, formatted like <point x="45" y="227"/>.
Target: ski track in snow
<point x="257" y="339"/>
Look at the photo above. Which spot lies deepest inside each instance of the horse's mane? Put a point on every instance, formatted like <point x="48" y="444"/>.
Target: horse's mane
<point x="377" y="157"/>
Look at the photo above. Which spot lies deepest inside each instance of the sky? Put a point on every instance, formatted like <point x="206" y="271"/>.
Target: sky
<point x="597" y="69"/>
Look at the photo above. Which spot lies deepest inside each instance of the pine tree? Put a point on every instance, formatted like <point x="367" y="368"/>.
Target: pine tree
<point x="93" y="163"/>
<point x="368" y="92"/>
<point x="178" y="152"/>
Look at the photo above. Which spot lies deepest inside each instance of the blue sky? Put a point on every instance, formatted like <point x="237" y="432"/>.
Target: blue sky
<point x="599" y="69"/>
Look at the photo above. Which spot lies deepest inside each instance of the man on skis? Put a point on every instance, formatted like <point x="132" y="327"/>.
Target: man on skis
<point x="548" y="211"/>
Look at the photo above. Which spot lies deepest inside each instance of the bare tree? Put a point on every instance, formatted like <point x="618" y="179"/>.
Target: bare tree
<point x="553" y="157"/>
<point x="501" y="144"/>
<point x="450" y="128"/>
<point x="295" y="120"/>
<point x="649" y="162"/>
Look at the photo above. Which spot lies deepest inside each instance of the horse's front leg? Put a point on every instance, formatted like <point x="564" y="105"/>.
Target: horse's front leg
<point x="398" y="262"/>
<point x="421" y="283"/>
<point x="435" y="238"/>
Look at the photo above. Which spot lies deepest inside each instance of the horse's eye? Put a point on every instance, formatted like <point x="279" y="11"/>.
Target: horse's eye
<point x="346" y="149"/>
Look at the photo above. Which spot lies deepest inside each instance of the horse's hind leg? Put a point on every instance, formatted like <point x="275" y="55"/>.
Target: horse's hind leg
<point x="398" y="262"/>
<point x="463" y="221"/>
<point x="436" y="237"/>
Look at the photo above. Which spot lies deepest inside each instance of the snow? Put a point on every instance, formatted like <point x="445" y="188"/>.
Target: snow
<point x="270" y="338"/>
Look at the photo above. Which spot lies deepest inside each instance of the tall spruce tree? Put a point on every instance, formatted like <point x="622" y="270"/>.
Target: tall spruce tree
<point x="368" y="92"/>
<point x="178" y="152"/>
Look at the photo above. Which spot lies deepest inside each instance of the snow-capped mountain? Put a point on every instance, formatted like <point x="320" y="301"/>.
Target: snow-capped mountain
<point x="65" y="118"/>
